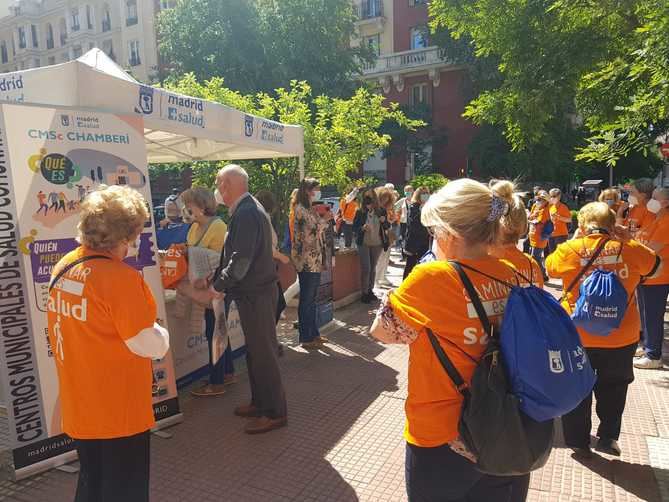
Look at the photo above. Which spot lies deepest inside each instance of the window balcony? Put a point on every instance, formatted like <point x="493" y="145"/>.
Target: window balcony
<point x="131" y="21"/>
<point x="369" y="9"/>
<point x="405" y="62"/>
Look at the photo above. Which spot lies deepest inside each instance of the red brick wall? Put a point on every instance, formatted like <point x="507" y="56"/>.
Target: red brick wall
<point x="406" y="17"/>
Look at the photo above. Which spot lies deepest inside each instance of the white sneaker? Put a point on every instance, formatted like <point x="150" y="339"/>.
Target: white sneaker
<point x="640" y="351"/>
<point x="644" y="363"/>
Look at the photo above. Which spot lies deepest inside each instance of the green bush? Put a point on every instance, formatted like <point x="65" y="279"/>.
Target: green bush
<point x="432" y="181"/>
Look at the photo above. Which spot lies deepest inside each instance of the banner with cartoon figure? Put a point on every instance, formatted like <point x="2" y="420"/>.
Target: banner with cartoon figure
<point x="50" y="159"/>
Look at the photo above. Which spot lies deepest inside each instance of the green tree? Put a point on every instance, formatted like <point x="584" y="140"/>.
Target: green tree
<point x="262" y="45"/>
<point x="599" y="62"/>
<point x="339" y="133"/>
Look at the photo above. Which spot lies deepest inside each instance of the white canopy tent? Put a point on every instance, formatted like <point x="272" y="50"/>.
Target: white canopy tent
<point x="177" y="128"/>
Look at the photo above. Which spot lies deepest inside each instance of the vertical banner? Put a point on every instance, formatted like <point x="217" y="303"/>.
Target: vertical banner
<point x="50" y="159"/>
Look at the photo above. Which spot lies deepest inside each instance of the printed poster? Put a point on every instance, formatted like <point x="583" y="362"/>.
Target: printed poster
<point x="50" y="159"/>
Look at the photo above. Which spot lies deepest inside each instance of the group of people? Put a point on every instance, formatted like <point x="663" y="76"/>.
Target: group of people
<point x="120" y="333"/>
<point x="480" y="226"/>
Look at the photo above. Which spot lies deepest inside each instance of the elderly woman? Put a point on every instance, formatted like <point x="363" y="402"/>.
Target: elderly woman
<point x="102" y="322"/>
<point x="634" y="214"/>
<point x="654" y="291"/>
<point x="611" y="356"/>
<point x="208" y="231"/>
<point x="467" y="218"/>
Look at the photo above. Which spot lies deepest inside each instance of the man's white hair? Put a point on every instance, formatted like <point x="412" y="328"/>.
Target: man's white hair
<point x="235" y="171"/>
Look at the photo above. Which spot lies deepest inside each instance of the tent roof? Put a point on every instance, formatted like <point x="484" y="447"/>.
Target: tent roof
<point x="178" y="128"/>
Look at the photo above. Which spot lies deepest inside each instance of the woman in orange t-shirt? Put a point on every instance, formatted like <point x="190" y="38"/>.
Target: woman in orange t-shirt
<point x="515" y="227"/>
<point x="611" y="356"/>
<point x="102" y="327"/>
<point x="654" y="291"/>
<point x="561" y="218"/>
<point x="538" y="217"/>
<point x="634" y="214"/>
<point x="466" y="218"/>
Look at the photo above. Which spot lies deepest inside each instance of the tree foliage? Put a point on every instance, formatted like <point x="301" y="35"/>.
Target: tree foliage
<point x="600" y="62"/>
<point x="339" y="134"/>
<point x="262" y="45"/>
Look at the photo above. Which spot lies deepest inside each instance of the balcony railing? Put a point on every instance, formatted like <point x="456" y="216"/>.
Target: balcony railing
<point x="401" y="61"/>
<point x="369" y="9"/>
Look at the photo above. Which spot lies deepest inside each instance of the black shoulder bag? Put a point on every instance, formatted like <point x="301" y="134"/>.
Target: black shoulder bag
<point x="505" y="441"/>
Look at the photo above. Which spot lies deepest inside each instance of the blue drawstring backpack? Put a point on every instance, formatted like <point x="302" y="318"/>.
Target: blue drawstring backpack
<point x="548" y="230"/>
<point x="548" y="368"/>
<point x="602" y="301"/>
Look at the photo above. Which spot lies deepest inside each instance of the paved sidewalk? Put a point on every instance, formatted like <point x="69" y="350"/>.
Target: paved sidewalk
<point x="344" y="438"/>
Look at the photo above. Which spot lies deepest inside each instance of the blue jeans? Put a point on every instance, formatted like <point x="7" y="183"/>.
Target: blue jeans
<point x="306" y="311"/>
<point x="652" y="304"/>
<point x="441" y="475"/>
<point x="224" y="366"/>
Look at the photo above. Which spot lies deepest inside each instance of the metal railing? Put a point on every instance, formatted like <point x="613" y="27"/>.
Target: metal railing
<point x="405" y="60"/>
<point x="369" y="9"/>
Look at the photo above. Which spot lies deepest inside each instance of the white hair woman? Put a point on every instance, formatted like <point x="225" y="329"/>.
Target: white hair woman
<point x="654" y="291"/>
<point x="102" y="322"/>
<point x="466" y="219"/>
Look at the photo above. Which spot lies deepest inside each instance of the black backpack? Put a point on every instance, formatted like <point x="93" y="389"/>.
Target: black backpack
<point x="505" y="441"/>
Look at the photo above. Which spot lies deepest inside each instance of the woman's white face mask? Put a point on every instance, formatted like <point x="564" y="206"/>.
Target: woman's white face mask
<point x="133" y="247"/>
<point x="654" y="206"/>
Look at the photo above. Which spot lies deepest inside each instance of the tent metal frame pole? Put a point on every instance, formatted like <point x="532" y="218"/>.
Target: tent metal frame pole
<point x="301" y="166"/>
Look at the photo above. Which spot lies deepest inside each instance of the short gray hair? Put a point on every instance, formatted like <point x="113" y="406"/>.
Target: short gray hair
<point x="235" y="171"/>
<point x="645" y="186"/>
<point x="555" y="192"/>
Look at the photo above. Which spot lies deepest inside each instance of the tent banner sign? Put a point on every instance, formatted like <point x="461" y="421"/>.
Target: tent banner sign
<point x="50" y="159"/>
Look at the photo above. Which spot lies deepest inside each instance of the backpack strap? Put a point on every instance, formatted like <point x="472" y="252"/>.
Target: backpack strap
<point x="580" y="275"/>
<point x="507" y="284"/>
<point x="448" y="365"/>
<point x="204" y="233"/>
<point x="474" y="296"/>
<point x="70" y="266"/>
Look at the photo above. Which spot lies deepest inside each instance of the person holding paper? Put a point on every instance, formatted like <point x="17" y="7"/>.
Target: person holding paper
<point x="103" y="332"/>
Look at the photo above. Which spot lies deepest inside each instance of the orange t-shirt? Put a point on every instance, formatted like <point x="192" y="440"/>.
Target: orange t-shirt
<point x="105" y="389"/>
<point x="434" y="296"/>
<point x="658" y="231"/>
<point x="348" y="210"/>
<point x="560" y="227"/>
<point x="540" y="215"/>
<point x="639" y="217"/>
<point x="635" y="261"/>
<point x="524" y="264"/>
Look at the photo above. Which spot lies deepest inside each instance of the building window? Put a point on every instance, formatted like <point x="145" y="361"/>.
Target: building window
<point x="52" y="60"/>
<point x="108" y="48"/>
<point x="134" y="59"/>
<point x="3" y="52"/>
<point x="370" y="9"/>
<point x="89" y="17"/>
<point x="76" y="51"/>
<point x="413" y="3"/>
<point x="418" y="94"/>
<point x="131" y="6"/>
<point x="106" y="18"/>
<point x="22" y="38"/>
<point x="49" y="36"/>
<point x="33" y="33"/>
<point x="166" y="4"/>
<point x="75" y="19"/>
<point x="63" y="32"/>
<point x="419" y="37"/>
<point x="374" y="43"/>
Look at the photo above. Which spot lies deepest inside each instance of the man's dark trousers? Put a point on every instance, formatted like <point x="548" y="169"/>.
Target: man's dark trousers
<point x="257" y="316"/>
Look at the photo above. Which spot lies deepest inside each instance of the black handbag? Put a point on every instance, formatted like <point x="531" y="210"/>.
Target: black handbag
<point x="505" y="441"/>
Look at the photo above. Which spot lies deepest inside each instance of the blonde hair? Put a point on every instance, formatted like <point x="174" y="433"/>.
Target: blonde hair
<point x="418" y="192"/>
<point x="385" y="196"/>
<point x="609" y="193"/>
<point x="202" y="198"/>
<point x="596" y="215"/>
<point x="514" y="223"/>
<point x="464" y="207"/>
<point x="111" y="215"/>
